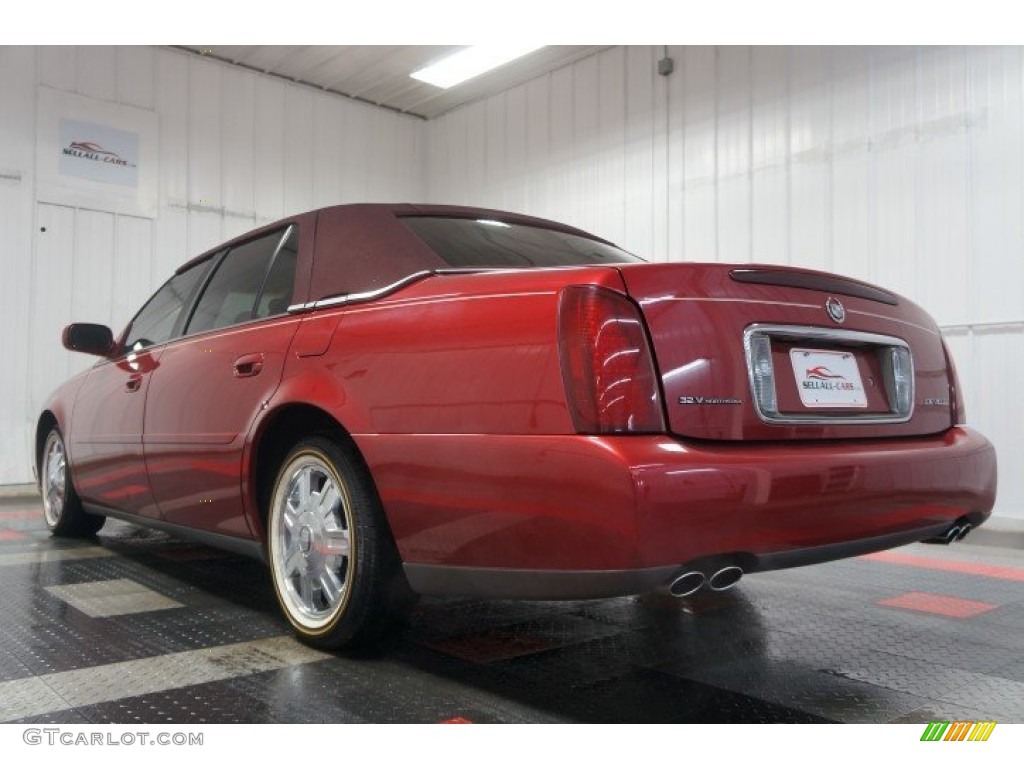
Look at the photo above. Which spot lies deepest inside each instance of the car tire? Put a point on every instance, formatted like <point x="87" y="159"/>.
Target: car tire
<point x="62" y="509"/>
<point x="334" y="565"/>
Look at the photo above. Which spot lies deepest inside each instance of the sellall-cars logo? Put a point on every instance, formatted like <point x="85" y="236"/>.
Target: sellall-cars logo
<point x="90" y="150"/>
<point x="821" y="377"/>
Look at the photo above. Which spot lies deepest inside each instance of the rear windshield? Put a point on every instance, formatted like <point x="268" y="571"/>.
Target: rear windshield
<point x="485" y="243"/>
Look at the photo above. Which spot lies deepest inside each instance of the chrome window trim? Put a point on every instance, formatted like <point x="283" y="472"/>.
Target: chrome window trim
<point x="359" y="298"/>
<point x="836" y="335"/>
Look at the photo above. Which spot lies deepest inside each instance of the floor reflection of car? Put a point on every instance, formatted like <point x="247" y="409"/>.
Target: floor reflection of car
<point x="387" y="400"/>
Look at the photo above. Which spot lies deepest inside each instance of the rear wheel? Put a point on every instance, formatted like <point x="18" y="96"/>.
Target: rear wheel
<point x="334" y="566"/>
<point x="61" y="506"/>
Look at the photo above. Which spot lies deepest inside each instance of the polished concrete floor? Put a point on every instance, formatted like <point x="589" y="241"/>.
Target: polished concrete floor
<point x="137" y="627"/>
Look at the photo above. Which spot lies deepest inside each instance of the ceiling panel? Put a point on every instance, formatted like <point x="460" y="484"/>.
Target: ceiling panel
<point x="379" y="74"/>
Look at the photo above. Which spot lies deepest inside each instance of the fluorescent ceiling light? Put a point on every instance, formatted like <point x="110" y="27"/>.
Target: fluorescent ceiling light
<point x="470" y="62"/>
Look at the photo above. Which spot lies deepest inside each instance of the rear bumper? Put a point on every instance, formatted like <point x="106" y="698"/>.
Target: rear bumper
<point x="524" y="584"/>
<point x="573" y="516"/>
<point x="790" y="504"/>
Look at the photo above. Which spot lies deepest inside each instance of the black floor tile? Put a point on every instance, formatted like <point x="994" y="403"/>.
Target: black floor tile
<point x="806" y="645"/>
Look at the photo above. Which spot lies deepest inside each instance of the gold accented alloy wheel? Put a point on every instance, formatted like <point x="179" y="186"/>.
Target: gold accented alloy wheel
<point x="62" y="508"/>
<point x="333" y="562"/>
<point x="313" y="550"/>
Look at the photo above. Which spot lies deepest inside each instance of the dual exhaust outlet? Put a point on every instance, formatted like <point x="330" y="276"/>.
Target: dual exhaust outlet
<point x="692" y="579"/>
<point x="689" y="581"/>
<point x="955" y="532"/>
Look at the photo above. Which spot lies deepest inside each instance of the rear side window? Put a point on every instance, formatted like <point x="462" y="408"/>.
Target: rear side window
<point x="483" y="243"/>
<point x="277" y="289"/>
<point x="158" y="320"/>
<point x="264" y="267"/>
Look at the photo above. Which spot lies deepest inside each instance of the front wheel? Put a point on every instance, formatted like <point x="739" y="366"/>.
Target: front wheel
<point x="333" y="563"/>
<point x="61" y="506"/>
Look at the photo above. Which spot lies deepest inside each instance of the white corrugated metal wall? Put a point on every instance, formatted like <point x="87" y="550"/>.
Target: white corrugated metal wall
<point x="901" y="166"/>
<point x="237" y="149"/>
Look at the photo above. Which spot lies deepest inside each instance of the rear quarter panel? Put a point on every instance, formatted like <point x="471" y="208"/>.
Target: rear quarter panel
<point x="448" y="388"/>
<point x="453" y="354"/>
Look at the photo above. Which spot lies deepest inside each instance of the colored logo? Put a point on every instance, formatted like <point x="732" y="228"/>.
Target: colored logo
<point x="90" y="150"/>
<point x="821" y="372"/>
<point x="91" y="146"/>
<point x="835" y="309"/>
<point x="959" y="731"/>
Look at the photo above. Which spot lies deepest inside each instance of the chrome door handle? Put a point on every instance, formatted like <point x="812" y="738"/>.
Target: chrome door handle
<point x="248" y="365"/>
<point x="133" y="384"/>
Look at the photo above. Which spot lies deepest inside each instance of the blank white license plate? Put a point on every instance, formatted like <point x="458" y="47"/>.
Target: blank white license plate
<point x="828" y="379"/>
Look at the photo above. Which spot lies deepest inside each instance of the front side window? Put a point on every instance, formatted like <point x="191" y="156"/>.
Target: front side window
<point x="261" y="267"/>
<point x="157" y="321"/>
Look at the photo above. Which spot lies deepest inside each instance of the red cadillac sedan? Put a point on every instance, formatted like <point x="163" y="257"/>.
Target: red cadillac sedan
<point x="390" y="400"/>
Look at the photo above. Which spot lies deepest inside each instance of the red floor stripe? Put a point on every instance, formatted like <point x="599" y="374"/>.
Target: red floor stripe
<point x="21" y="514"/>
<point x="954" y="566"/>
<point x="9" y="535"/>
<point x="941" y="605"/>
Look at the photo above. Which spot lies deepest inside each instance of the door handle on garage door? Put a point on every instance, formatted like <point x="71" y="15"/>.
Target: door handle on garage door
<point x="249" y="365"/>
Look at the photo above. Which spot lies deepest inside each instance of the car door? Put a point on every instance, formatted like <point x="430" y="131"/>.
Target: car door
<point x="212" y="382"/>
<point x="106" y="436"/>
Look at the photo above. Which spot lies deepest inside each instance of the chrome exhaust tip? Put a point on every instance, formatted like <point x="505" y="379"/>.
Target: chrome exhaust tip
<point x="725" y="578"/>
<point x="955" y="532"/>
<point x="686" y="584"/>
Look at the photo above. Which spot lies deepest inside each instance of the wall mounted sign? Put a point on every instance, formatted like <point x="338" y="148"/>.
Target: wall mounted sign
<point x="96" y="154"/>
<point x="99" y="152"/>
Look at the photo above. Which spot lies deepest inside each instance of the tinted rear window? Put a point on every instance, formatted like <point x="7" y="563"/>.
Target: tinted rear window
<point x="484" y="243"/>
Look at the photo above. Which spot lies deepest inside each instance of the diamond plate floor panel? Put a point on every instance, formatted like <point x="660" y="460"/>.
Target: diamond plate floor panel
<point x="175" y="632"/>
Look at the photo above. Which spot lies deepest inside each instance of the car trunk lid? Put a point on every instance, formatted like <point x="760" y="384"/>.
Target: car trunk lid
<point x="747" y="352"/>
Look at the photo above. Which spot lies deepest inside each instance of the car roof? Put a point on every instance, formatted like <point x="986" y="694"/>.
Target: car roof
<point x="398" y="210"/>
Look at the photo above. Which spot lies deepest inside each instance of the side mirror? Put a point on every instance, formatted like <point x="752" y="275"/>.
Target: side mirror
<point x="90" y="338"/>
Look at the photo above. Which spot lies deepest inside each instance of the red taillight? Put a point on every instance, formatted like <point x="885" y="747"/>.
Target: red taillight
<point x="607" y="365"/>
<point x="956" y="397"/>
